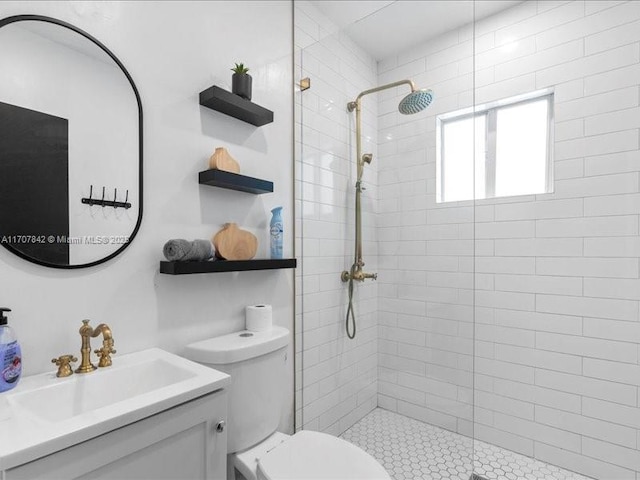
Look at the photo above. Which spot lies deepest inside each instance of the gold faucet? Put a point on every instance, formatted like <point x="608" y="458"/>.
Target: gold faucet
<point x="86" y="332"/>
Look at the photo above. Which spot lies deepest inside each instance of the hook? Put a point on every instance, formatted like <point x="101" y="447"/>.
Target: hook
<point x="107" y="203"/>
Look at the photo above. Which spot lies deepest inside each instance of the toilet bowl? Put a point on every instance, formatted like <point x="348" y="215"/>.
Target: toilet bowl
<point x="257" y="363"/>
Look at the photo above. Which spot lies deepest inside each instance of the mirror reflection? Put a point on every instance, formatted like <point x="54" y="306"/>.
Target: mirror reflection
<point x="70" y="151"/>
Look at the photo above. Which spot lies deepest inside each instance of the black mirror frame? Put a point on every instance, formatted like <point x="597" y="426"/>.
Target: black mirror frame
<point x="41" y="18"/>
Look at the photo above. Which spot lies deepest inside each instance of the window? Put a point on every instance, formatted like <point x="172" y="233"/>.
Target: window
<point x="497" y="150"/>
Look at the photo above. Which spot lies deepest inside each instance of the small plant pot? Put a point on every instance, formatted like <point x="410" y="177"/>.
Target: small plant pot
<point x="241" y="85"/>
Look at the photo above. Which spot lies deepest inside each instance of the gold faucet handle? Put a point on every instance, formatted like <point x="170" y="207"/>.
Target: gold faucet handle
<point x="105" y="353"/>
<point x="63" y="362"/>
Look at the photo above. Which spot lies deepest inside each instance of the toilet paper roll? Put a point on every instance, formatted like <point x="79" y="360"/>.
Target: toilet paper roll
<point x="258" y="318"/>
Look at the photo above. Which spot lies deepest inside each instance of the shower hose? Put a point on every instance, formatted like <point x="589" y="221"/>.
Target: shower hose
<point x="350" y="321"/>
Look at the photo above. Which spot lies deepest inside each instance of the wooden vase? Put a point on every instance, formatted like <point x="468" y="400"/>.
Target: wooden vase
<point x="232" y="243"/>
<point x="222" y="160"/>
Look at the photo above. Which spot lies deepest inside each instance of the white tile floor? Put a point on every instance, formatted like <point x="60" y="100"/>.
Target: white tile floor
<point x="413" y="450"/>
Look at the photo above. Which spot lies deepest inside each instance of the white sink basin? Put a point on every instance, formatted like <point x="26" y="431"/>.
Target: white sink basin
<point x="87" y="392"/>
<point x="44" y="413"/>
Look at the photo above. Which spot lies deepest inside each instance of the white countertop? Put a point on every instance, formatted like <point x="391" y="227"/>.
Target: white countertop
<point x="108" y="398"/>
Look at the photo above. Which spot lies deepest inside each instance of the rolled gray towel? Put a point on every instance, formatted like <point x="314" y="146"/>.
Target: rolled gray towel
<point x="184" y="250"/>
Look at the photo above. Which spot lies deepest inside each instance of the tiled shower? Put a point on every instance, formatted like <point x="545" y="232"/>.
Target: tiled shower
<point x="512" y="321"/>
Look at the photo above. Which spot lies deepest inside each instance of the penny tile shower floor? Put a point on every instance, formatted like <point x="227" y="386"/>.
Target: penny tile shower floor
<point x="413" y="450"/>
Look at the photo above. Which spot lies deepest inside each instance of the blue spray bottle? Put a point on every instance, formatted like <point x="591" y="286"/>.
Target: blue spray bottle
<point x="276" y="231"/>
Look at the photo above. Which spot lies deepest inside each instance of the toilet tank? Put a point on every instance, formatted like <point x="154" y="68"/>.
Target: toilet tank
<point x="257" y="363"/>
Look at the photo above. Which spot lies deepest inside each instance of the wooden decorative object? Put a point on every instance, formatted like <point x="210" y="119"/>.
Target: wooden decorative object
<point x="233" y="243"/>
<point x="221" y="160"/>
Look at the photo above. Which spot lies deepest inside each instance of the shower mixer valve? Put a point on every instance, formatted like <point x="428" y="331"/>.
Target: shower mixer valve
<point x="358" y="275"/>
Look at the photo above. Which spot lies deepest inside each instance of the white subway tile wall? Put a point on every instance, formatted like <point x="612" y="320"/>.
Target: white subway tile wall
<point x="551" y="281"/>
<point x="336" y="377"/>
<point x="515" y="320"/>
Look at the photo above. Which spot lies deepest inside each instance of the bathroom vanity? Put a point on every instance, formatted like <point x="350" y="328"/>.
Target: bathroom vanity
<point x="152" y="415"/>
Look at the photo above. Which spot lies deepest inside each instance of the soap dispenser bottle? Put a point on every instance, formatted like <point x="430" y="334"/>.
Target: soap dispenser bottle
<point x="10" y="355"/>
<point x="276" y="231"/>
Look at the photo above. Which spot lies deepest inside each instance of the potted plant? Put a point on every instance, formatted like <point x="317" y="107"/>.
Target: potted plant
<point x="241" y="81"/>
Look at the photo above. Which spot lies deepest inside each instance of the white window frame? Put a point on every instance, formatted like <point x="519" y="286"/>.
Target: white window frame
<point x="489" y="110"/>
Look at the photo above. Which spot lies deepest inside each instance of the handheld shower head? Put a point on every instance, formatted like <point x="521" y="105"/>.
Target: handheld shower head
<point x="415" y="102"/>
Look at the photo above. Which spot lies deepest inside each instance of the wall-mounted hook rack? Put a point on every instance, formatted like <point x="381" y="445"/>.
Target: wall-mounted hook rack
<point x="107" y="203"/>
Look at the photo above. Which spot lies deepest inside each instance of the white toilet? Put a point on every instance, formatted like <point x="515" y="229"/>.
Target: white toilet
<point x="257" y="365"/>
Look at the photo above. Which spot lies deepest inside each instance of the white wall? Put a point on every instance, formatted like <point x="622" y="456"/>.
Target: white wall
<point x="554" y="277"/>
<point x="173" y="50"/>
<point x="336" y="376"/>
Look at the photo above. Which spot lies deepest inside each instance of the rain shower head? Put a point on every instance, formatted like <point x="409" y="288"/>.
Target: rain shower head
<point x="415" y="102"/>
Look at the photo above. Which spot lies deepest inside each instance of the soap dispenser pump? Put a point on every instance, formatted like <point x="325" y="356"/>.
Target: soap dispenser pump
<point x="10" y="354"/>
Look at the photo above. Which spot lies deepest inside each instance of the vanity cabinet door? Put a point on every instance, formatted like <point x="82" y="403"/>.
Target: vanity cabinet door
<point x="182" y="443"/>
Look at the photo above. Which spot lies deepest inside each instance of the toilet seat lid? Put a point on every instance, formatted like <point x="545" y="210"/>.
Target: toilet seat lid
<point x="313" y="455"/>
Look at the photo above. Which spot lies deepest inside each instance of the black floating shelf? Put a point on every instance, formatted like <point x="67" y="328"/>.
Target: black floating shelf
<point x="235" y="181"/>
<point x="235" y="106"/>
<point x="186" y="268"/>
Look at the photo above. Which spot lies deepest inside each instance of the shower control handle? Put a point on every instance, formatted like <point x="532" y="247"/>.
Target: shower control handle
<point x="367" y="157"/>
<point x="358" y="275"/>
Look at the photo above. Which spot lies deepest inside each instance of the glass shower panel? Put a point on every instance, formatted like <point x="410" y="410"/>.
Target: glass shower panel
<point x="402" y="389"/>
<point x="337" y="377"/>
<point x="556" y="280"/>
<point x="500" y="332"/>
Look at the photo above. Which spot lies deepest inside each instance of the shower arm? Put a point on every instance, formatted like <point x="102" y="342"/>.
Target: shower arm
<point x="352" y="105"/>
<point x="356" y="272"/>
